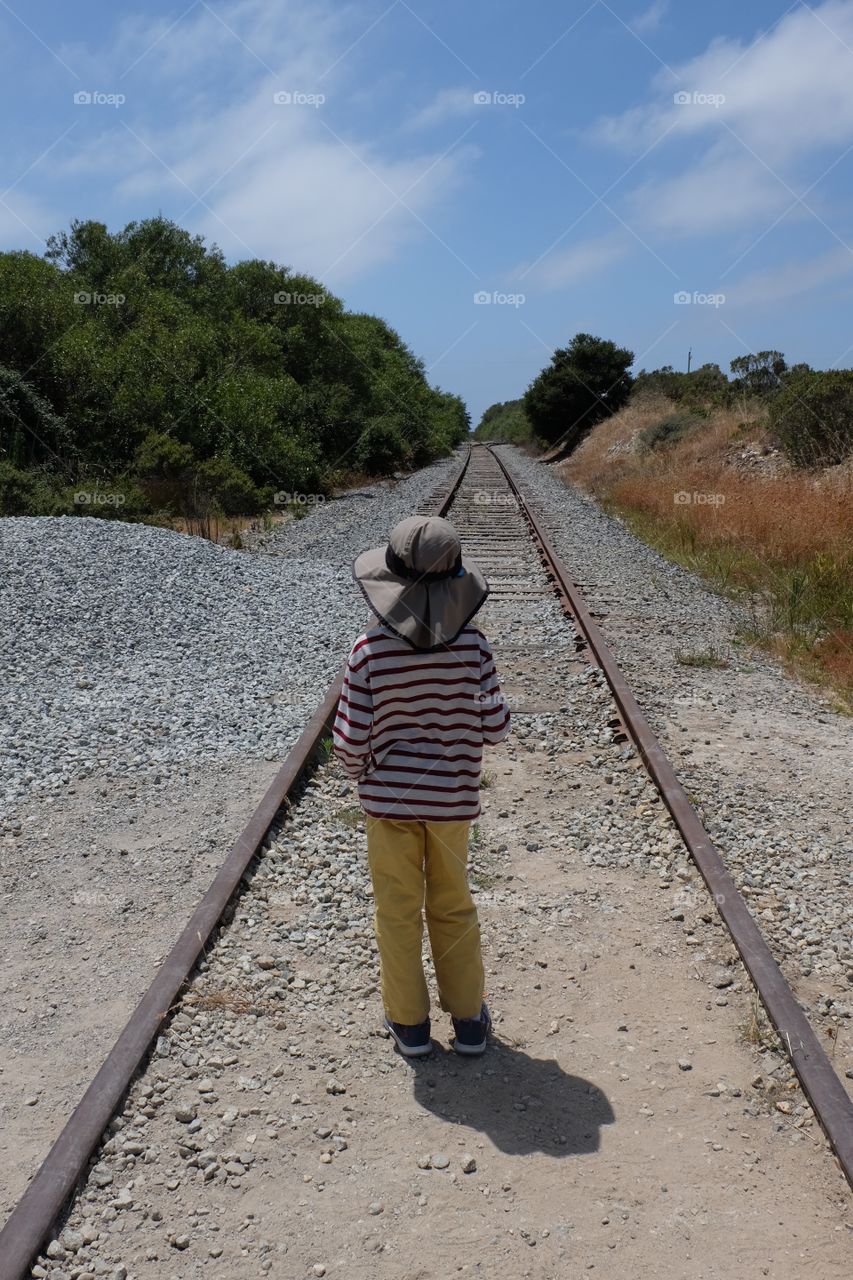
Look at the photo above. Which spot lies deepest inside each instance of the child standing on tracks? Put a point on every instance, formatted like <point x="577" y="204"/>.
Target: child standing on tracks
<point x="420" y="700"/>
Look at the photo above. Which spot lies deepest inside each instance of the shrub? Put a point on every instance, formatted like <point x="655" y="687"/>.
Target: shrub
<point x="381" y="447"/>
<point x="670" y="430"/>
<point x="163" y="467"/>
<point x="219" y="483"/>
<point x="812" y="416"/>
<point x="19" y="492"/>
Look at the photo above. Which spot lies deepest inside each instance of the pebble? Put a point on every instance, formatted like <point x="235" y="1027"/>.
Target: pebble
<point x="439" y="1161"/>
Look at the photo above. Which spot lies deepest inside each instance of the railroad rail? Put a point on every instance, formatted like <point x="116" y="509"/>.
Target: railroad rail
<point x="489" y="531"/>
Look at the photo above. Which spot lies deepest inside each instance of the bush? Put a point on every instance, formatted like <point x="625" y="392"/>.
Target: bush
<point x="19" y="492"/>
<point x="219" y="484"/>
<point x="812" y="416"/>
<point x="670" y="430"/>
<point x="381" y="447"/>
<point x="163" y="467"/>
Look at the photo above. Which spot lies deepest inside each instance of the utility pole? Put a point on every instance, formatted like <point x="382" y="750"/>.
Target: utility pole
<point x="689" y="356"/>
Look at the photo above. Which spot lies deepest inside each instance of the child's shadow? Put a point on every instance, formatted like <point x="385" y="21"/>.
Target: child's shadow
<point x="524" y="1104"/>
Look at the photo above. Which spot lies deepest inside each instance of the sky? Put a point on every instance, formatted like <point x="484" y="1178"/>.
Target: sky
<point x="490" y="177"/>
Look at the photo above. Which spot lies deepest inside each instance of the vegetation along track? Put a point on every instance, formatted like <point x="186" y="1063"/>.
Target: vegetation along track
<point x="499" y="529"/>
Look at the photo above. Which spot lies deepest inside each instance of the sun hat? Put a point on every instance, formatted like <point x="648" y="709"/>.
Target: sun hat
<point x="420" y="585"/>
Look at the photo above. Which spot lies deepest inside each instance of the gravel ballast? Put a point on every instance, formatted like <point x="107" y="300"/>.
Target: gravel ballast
<point x="764" y="758"/>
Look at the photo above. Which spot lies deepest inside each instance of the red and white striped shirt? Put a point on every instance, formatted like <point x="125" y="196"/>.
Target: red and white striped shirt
<point x="411" y="725"/>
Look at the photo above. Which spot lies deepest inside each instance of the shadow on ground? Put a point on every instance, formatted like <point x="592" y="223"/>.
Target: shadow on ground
<point x="523" y="1104"/>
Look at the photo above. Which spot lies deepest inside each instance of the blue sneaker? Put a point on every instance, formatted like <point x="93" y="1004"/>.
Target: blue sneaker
<point x="413" y="1042"/>
<point x="472" y="1034"/>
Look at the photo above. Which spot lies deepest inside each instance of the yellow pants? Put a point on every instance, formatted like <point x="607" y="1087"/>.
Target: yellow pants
<point x="417" y="865"/>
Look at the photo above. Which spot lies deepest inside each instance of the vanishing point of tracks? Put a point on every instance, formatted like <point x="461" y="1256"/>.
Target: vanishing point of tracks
<point x="499" y="530"/>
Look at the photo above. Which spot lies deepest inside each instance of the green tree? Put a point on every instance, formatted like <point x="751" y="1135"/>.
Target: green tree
<point x="759" y="374"/>
<point x="584" y="383"/>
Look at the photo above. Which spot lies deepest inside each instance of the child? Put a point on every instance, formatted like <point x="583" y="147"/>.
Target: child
<point x="420" y="699"/>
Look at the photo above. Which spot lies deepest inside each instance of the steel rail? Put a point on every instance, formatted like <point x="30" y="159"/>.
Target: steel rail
<point x="821" y="1085"/>
<point x="41" y="1205"/>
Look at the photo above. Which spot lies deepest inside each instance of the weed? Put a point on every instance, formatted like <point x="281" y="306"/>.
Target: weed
<point x="700" y="658"/>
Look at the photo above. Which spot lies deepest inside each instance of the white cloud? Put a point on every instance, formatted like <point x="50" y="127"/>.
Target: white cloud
<point x="757" y="116"/>
<point x="288" y="182"/>
<point x="728" y="190"/>
<point x="781" y="283"/>
<point x="579" y="262"/>
<point x="651" y="18"/>
<point x="785" y="94"/>
<point x="448" y="104"/>
<point x="25" y="222"/>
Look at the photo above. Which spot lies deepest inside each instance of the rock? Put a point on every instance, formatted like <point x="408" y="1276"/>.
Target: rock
<point x="469" y="1164"/>
<point x="684" y="1064"/>
<point x="375" y="1208"/>
<point x="439" y="1162"/>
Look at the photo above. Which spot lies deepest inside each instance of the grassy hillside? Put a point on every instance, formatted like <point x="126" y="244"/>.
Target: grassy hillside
<point x="711" y="489"/>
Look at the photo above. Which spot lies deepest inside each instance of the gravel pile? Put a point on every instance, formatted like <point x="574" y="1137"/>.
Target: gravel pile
<point x="128" y="650"/>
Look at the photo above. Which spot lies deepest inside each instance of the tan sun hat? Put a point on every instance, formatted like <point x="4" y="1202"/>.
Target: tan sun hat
<point x="420" y="585"/>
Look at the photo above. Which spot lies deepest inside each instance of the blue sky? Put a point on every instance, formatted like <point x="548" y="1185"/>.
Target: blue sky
<point x="582" y="194"/>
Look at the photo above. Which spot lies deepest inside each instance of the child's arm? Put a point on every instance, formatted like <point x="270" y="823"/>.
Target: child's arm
<point x="354" y="719"/>
<point x="494" y="710"/>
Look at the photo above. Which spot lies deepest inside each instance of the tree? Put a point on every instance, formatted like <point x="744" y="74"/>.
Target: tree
<point x="759" y="374"/>
<point x="116" y="339"/>
<point x="585" y="382"/>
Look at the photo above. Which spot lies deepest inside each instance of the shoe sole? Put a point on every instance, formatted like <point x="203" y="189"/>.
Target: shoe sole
<point x="474" y="1050"/>
<point x="408" y="1050"/>
<point x="470" y="1050"/>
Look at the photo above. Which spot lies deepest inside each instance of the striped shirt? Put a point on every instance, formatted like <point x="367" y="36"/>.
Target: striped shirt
<point x="411" y="725"/>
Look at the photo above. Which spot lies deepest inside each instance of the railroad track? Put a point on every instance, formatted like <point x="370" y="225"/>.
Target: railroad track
<point x="500" y="530"/>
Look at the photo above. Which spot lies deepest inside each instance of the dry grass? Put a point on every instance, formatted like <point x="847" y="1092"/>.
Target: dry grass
<point x="229" y="1002"/>
<point x="780" y="540"/>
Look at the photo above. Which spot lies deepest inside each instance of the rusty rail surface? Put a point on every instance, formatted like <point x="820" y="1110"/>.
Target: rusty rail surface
<point x="41" y="1205"/>
<point x="821" y="1084"/>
